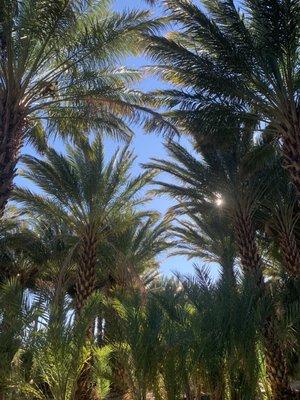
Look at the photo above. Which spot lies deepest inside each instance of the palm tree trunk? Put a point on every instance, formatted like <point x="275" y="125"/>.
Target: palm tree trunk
<point x="7" y="174"/>
<point x="85" y="386"/>
<point x="247" y="246"/>
<point x="291" y="154"/>
<point x="276" y="366"/>
<point x="86" y="279"/>
<point x="119" y="387"/>
<point x="290" y="253"/>
<point x="11" y="138"/>
<point x="228" y="273"/>
<point x="85" y="286"/>
<point x="252" y="264"/>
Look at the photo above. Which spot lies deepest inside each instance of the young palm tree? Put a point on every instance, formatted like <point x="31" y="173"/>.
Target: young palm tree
<point x="47" y="365"/>
<point x="137" y="342"/>
<point x="59" y="67"/>
<point x="155" y="355"/>
<point x="176" y="342"/>
<point x="226" y="348"/>
<point x="234" y="61"/>
<point x="89" y="197"/>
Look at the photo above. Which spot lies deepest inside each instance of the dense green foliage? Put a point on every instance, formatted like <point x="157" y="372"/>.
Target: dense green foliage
<point x="84" y="312"/>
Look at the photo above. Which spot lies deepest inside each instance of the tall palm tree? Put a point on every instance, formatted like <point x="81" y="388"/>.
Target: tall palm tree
<point x="59" y="68"/>
<point x="219" y="181"/>
<point x="89" y="197"/>
<point x="222" y="178"/>
<point x="86" y="195"/>
<point x="234" y="60"/>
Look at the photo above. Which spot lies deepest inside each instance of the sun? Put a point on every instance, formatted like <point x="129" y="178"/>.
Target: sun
<point x="219" y="201"/>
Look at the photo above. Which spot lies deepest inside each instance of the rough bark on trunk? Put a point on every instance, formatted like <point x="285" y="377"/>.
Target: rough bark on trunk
<point x="7" y="174"/>
<point x="252" y="264"/>
<point x="290" y="253"/>
<point x="11" y="138"/>
<point x="247" y="246"/>
<point x="276" y="366"/>
<point x="119" y="387"/>
<point x="291" y="154"/>
<point x="86" y="278"/>
<point x="86" y="387"/>
<point x="85" y="286"/>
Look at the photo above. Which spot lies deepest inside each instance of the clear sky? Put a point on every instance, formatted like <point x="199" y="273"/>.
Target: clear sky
<point x="147" y="146"/>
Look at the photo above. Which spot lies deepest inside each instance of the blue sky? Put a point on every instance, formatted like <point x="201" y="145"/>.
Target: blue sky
<point x="147" y="146"/>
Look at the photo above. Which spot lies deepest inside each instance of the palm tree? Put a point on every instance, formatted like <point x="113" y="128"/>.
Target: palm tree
<point x="208" y="235"/>
<point x="223" y="180"/>
<point x="8" y="227"/>
<point x="131" y="257"/>
<point x="91" y="199"/>
<point x="133" y="251"/>
<point x="219" y="181"/>
<point x="225" y="352"/>
<point x="47" y="365"/>
<point x="190" y="337"/>
<point x="234" y="61"/>
<point x="139" y="329"/>
<point x="85" y="195"/>
<point x="155" y="355"/>
<point x="281" y="215"/>
<point x="176" y="343"/>
<point x="59" y="69"/>
<point x="17" y="316"/>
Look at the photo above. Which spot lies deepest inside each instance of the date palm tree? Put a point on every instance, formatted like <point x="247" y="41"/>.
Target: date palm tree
<point x="89" y="197"/>
<point x="226" y="348"/>
<point x="234" y="60"/>
<point x="222" y="179"/>
<point x="86" y="195"/>
<point x="59" y="69"/>
<point x="280" y="215"/>
<point x="219" y="180"/>
<point x="47" y="365"/>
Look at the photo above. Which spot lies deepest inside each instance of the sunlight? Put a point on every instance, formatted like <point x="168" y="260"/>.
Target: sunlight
<point x="219" y="201"/>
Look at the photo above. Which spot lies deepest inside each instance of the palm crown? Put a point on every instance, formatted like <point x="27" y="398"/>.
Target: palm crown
<point x="86" y="195"/>
<point x="231" y="63"/>
<point x="59" y="67"/>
